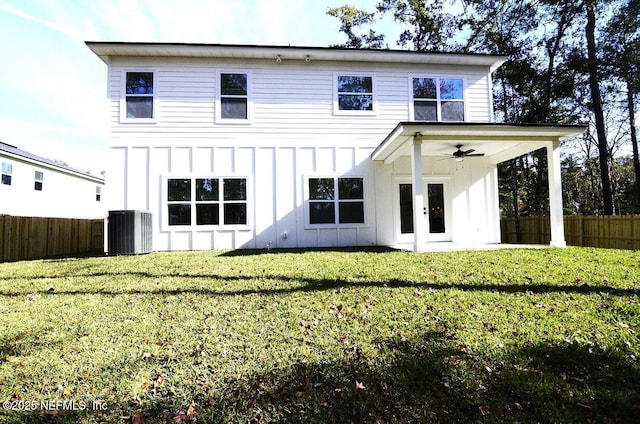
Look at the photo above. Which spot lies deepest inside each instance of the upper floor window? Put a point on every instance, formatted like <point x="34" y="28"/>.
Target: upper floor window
<point x="336" y="200"/>
<point x="98" y="193"/>
<point x="355" y="93"/>
<point x="207" y="201"/>
<point x="234" y="96"/>
<point x="438" y="99"/>
<point x="7" y="170"/>
<point x="39" y="178"/>
<point x="139" y="95"/>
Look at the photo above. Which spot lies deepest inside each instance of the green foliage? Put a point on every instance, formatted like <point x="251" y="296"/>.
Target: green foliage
<point x="548" y="335"/>
<point x="429" y="27"/>
<point x="350" y="18"/>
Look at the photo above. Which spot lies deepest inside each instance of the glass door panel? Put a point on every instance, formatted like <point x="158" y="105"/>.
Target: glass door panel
<point x="435" y="203"/>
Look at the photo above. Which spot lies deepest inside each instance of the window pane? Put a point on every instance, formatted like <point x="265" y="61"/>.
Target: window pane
<point x="351" y="212"/>
<point x="38" y="186"/>
<point x="6" y="168"/>
<point x="322" y="213"/>
<point x="424" y="88"/>
<point x="435" y="196"/>
<point x="353" y="84"/>
<point x="207" y="214"/>
<point x="321" y="189"/>
<point x="235" y="189"/>
<point x="350" y="188"/>
<point x="206" y="189"/>
<point x="140" y="107"/>
<point x="39" y="175"/>
<point x="179" y="189"/>
<point x="233" y="108"/>
<point x="406" y="209"/>
<point x="451" y="89"/>
<point x="180" y="214"/>
<point x="139" y="82"/>
<point x="452" y="111"/>
<point x="235" y="213"/>
<point x="425" y="111"/>
<point x="6" y="179"/>
<point x="233" y="84"/>
<point x="355" y="102"/>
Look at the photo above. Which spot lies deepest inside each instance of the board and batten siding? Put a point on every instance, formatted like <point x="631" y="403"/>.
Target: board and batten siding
<point x="275" y="190"/>
<point x="292" y="134"/>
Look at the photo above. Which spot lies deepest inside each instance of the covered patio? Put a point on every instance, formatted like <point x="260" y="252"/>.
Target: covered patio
<point x="491" y="144"/>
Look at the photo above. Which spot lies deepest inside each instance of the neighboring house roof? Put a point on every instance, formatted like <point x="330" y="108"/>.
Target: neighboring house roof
<point x="14" y="151"/>
<point x="104" y="50"/>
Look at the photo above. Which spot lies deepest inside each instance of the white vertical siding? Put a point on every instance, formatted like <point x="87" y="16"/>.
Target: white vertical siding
<point x="117" y="178"/>
<point x="288" y="207"/>
<point x="138" y="178"/>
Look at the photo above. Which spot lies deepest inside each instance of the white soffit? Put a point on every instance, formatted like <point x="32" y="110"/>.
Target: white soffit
<point x="492" y="139"/>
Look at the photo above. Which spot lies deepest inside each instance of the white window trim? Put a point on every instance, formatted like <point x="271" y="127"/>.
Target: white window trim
<point x="374" y="85"/>
<point x="195" y="227"/>
<point x="438" y="77"/>
<point x="123" y="97"/>
<point x="219" y="118"/>
<point x="307" y="202"/>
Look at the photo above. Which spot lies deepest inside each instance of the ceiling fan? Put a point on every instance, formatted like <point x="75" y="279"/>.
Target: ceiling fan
<point x="460" y="154"/>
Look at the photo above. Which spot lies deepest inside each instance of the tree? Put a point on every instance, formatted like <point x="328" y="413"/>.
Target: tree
<point x="621" y="45"/>
<point x="429" y="27"/>
<point x="351" y="18"/>
<point x="596" y="102"/>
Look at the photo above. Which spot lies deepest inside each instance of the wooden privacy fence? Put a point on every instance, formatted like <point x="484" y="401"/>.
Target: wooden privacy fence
<point x="30" y="238"/>
<point x="615" y="232"/>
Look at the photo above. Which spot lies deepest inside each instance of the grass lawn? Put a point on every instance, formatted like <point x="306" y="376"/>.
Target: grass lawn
<point x="547" y="335"/>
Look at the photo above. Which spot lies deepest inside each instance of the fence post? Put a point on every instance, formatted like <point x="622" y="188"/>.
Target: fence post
<point x="580" y="231"/>
<point x="6" y="239"/>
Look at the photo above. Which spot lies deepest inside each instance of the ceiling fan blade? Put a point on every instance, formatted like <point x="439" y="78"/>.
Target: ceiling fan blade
<point x="469" y="151"/>
<point x="476" y="154"/>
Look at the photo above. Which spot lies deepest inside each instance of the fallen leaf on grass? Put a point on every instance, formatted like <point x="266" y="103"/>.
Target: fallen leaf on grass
<point x="137" y="418"/>
<point x="191" y="412"/>
<point x="185" y="418"/>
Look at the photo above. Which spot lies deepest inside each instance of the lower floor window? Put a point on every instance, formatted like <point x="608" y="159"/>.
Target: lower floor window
<point x="207" y="201"/>
<point x="336" y="201"/>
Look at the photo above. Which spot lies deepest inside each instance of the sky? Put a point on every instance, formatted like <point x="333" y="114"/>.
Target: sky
<point x="53" y="88"/>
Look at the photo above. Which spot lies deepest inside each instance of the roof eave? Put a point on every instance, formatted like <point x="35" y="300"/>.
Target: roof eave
<point x="105" y="50"/>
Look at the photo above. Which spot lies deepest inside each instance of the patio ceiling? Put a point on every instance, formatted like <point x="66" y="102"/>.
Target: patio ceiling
<point x="499" y="142"/>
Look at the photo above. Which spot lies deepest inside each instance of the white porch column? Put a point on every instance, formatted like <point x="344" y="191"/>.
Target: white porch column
<point x="555" y="195"/>
<point x="419" y="235"/>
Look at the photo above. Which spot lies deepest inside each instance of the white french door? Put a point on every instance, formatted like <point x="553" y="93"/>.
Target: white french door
<point x="436" y="211"/>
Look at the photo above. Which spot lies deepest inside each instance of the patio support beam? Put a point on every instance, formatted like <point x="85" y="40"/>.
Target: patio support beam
<point x="419" y="236"/>
<point x="556" y="219"/>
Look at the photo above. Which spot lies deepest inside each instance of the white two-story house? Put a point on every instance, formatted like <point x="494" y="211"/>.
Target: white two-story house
<point x="233" y="146"/>
<point x="32" y="185"/>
